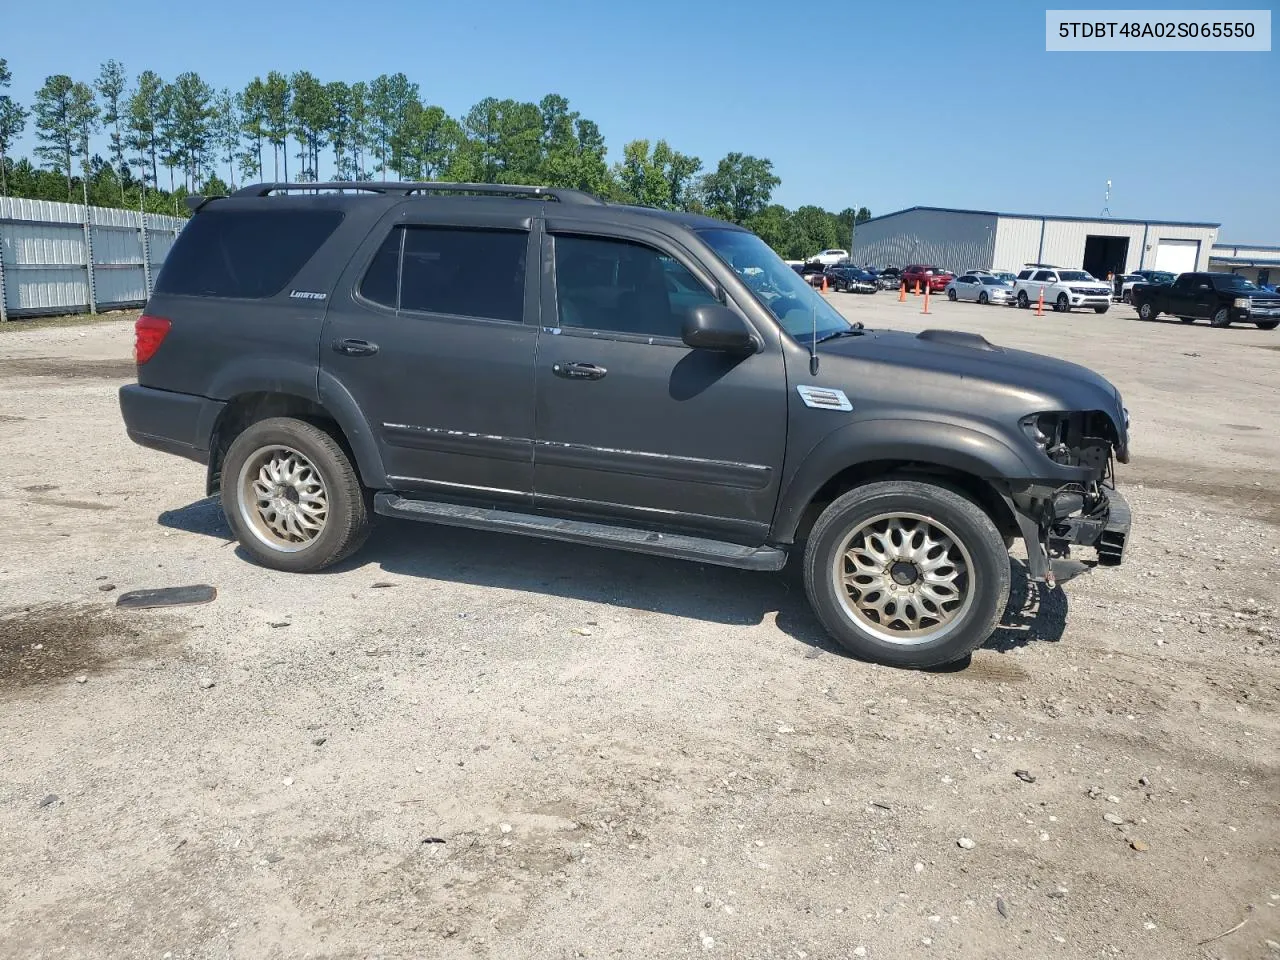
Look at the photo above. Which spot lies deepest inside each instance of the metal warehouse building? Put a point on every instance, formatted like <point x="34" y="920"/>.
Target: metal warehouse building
<point x="1254" y="261"/>
<point x="987" y="240"/>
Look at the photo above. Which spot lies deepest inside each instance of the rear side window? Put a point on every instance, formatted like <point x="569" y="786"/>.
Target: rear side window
<point x="244" y="254"/>
<point x="1044" y="275"/>
<point x="466" y="273"/>
<point x="1025" y="275"/>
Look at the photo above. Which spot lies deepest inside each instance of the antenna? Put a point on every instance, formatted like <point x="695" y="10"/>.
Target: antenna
<point x="813" y="344"/>
<point x="1106" y="201"/>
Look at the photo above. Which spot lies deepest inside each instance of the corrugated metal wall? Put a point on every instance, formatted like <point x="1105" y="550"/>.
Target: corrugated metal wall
<point x="955" y="240"/>
<point x="45" y="265"/>
<point x="1019" y="241"/>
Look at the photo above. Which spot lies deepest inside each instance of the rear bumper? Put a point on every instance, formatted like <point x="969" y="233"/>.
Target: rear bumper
<point x="176" y="423"/>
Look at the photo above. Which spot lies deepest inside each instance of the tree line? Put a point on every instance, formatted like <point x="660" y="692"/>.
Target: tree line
<point x="168" y="139"/>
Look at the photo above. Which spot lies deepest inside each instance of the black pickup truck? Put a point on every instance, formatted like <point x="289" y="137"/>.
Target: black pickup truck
<point x="1220" y="298"/>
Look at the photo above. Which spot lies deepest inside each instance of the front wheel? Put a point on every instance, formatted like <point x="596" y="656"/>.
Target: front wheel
<point x="1063" y="304"/>
<point x="292" y="497"/>
<point x="1147" y="312"/>
<point x="982" y="299"/>
<point x="1221" y="318"/>
<point x="1266" y="324"/>
<point x="907" y="573"/>
<point x="951" y="295"/>
<point x="1101" y="309"/>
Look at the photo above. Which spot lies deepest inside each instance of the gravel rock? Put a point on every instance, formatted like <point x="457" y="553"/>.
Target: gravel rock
<point x="1140" y="845"/>
<point x="319" y="741"/>
<point x="50" y="799"/>
<point x="1113" y="818"/>
<point x="964" y="843"/>
<point x="82" y="679"/>
<point x="207" y="683"/>
<point x="1025" y="776"/>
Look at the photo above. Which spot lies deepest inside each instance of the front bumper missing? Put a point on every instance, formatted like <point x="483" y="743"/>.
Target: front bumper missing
<point x="1062" y="524"/>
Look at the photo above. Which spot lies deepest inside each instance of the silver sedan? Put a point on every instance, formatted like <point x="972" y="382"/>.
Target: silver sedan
<point x="982" y="287"/>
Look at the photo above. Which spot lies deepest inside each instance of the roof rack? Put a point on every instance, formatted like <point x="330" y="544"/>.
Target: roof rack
<point x="405" y="189"/>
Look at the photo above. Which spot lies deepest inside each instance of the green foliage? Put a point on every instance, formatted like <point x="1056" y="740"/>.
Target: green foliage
<point x="380" y="127"/>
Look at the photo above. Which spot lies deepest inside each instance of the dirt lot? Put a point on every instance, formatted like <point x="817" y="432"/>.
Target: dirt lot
<point x="460" y="745"/>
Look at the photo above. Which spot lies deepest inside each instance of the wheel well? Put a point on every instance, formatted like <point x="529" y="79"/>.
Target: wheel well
<point x="977" y="489"/>
<point x="248" y="408"/>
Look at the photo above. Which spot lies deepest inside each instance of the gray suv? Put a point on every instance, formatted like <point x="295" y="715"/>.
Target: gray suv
<point x="536" y="361"/>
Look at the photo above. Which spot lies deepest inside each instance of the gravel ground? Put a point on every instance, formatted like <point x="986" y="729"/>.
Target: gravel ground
<point x="462" y="745"/>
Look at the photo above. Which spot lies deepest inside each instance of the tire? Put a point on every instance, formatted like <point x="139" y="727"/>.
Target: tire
<point x="1101" y="309"/>
<point x="1126" y="297"/>
<point x="1266" y="324"/>
<point x="1221" y="318"/>
<point x="951" y="295"/>
<point x="1062" y="304"/>
<point x="1023" y="302"/>
<point x="981" y="585"/>
<point x="982" y="298"/>
<point x="1147" y="312"/>
<point x="315" y="460"/>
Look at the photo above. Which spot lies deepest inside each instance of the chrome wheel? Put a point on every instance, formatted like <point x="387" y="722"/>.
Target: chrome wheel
<point x="282" y="498"/>
<point x="904" y="578"/>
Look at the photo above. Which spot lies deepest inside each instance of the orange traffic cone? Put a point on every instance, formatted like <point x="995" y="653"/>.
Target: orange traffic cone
<point x="916" y="291"/>
<point x="902" y="292"/>
<point x="926" y="299"/>
<point x="824" y="283"/>
<point x="1040" y="304"/>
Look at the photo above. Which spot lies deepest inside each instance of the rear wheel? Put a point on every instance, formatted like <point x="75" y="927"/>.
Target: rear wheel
<point x="1126" y="297"/>
<point x="951" y="295"/>
<point x="1221" y="318"/>
<point x="1147" y="312"/>
<point x="292" y="497"/>
<point x="1063" y="304"/>
<point x="1023" y="302"/>
<point x="982" y="298"/>
<point x="1266" y="324"/>
<point x="907" y="573"/>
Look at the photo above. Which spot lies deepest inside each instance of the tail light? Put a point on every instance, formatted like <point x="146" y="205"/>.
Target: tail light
<point x="149" y="333"/>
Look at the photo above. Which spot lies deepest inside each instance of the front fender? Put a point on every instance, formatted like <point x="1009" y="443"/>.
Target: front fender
<point x="900" y="440"/>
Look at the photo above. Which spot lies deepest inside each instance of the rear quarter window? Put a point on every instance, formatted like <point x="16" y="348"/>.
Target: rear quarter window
<point x="244" y="254"/>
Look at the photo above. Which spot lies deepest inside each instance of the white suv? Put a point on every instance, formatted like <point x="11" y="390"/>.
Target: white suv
<point x="1063" y="289"/>
<point x="830" y="257"/>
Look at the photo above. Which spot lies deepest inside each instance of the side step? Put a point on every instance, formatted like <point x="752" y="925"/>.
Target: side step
<point x="580" y="531"/>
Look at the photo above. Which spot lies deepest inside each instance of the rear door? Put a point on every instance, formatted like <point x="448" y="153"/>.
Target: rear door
<point x="429" y="337"/>
<point x="1179" y="297"/>
<point x="633" y="425"/>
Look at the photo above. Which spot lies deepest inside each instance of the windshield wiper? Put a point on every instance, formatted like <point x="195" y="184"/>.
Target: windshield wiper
<point x="854" y="331"/>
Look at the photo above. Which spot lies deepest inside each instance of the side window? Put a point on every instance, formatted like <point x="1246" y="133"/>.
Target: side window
<point x="466" y="273"/>
<point x="381" y="282"/>
<point x="1183" y="282"/>
<point x="623" y="287"/>
<point x="1042" y="275"/>
<point x="1025" y="275"/>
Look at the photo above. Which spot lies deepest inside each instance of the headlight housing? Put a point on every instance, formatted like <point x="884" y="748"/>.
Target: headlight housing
<point x="1241" y="302"/>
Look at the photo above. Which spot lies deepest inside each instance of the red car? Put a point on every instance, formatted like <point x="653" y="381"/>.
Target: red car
<point x="935" y="277"/>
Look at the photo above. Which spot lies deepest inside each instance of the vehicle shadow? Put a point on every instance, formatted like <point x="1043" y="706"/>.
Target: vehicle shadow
<point x="627" y="580"/>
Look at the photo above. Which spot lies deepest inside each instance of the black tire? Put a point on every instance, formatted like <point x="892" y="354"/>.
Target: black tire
<point x="346" y="523"/>
<point x="1062" y="304"/>
<point x="1101" y="309"/>
<point x="1023" y="302"/>
<point x="987" y="586"/>
<point x="983" y="299"/>
<point x="951" y="295"/>
<point x="1146" y="311"/>
<point x="1221" y="318"/>
<point x="1126" y="297"/>
<point x="1266" y="324"/>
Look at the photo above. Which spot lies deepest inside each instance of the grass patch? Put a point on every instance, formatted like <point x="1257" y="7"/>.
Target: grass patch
<point x="15" y="324"/>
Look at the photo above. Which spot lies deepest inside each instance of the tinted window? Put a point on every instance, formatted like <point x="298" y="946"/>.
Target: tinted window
<point x="1184" y="281"/>
<point x="623" y="287"/>
<point x="382" y="279"/>
<point x="247" y="254"/>
<point x="467" y="273"/>
<point x="1044" y="275"/>
<point x="1024" y="274"/>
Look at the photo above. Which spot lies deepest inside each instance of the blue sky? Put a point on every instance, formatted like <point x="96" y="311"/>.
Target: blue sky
<point x="882" y="106"/>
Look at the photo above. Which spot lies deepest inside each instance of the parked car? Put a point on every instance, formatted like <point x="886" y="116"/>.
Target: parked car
<point x="1063" y="289"/>
<point x="935" y="278"/>
<point x="829" y="257"/>
<point x="1220" y="298"/>
<point x="1126" y="282"/>
<point x="330" y="356"/>
<point x="890" y="278"/>
<point x="851" y="280"/>
<point x="813" y="272"/>
<point x="982" y="287"/>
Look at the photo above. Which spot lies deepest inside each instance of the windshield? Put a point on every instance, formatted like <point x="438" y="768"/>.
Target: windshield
<point x="1230" y="281"/>
<point x="1076" y="275"/>
<point x="795" y="304"/>
<point x="1162" y="277"/>
<point x="991" y="281"/>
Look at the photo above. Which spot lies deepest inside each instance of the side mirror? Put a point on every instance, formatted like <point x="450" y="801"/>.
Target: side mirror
<point x="713" y="326"/>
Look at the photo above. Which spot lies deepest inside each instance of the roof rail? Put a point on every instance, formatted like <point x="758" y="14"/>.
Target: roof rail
<point x="559" y="194"/>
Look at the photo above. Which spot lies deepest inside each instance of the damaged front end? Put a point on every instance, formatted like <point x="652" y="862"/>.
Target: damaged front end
<point x="1081" y="506"/>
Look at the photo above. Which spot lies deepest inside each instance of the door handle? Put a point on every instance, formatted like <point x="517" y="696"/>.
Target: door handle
<point x="578" y="371"/>
<point x="355" y="348"/>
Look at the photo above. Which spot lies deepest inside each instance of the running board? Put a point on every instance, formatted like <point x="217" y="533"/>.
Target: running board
<point x="580" y="531"/>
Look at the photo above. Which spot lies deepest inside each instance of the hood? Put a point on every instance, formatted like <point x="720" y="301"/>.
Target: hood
<point x="955" y="370"/>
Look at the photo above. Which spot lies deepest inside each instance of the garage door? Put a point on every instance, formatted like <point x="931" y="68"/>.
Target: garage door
<point x="1177" y="256"/>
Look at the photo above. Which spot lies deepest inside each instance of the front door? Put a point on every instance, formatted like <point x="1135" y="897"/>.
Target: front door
<point x="633" y="425"/>
<point x="430" y="339"/>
